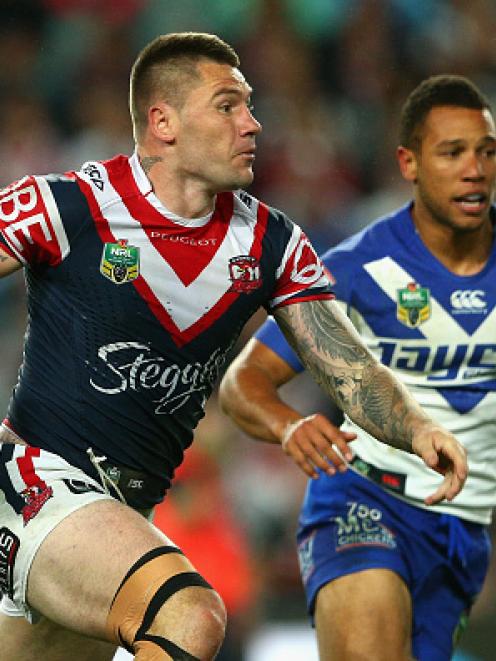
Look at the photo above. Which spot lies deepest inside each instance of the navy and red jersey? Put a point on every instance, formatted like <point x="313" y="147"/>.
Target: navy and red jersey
<point x="132" y="311"/>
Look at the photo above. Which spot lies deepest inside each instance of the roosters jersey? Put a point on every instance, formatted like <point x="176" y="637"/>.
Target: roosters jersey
<point x="132" y="311"/>
<point x="437" y="332"/>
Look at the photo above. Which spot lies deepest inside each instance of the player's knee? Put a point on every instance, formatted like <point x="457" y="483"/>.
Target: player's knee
<point x="191" y="625"/>
<point x="158" y="616"/>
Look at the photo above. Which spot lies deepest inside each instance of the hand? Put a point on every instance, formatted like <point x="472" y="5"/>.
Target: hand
<point x="309" y="441"/>
<point x="440" y="450"/>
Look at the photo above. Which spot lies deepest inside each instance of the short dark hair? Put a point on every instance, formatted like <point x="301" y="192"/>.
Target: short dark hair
<point x="441" y="90"/>
<point x="167" y="66"/>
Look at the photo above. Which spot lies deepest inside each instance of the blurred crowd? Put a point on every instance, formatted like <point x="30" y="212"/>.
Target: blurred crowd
<point x="329" y="79"/>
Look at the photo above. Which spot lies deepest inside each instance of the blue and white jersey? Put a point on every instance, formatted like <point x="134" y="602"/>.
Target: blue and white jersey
<point x="437" y="332"/>
<point x="133" y="311"/>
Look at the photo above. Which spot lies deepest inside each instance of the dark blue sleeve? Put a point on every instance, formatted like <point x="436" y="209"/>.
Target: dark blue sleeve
<point x="271" y="335"/>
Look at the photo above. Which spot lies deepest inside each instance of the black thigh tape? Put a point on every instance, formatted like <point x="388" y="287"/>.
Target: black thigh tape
<point x="149" y="555"/>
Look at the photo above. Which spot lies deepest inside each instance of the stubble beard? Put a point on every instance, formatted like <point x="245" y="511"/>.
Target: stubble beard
<point x="442" y="217"/>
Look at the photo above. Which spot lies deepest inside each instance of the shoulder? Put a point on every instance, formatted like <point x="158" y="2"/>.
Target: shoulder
<point x="39" y="215"/>
<point x="346" y="261"/>
<point x="54" y="195"/>
<point x="100" y="178"/>
<point x="250" y="207"/>
<point x="378" y="239"/>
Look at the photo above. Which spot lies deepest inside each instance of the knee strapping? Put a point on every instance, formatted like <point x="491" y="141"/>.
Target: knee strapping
<point x="152" y="648"/>
<point x="140" y="596"/>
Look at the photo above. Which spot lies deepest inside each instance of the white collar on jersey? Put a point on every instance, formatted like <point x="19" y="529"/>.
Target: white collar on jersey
<point x="146" y="190"/>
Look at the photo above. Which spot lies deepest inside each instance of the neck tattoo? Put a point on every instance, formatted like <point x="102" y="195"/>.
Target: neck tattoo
<point x="148" y="161"/>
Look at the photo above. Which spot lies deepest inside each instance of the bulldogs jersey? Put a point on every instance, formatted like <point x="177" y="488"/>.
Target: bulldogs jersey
<point x="437" y="332"/>
<point x="132" y="311"/>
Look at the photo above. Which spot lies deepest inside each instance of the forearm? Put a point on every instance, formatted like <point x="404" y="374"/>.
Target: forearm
<point x="252" y="401"/>
<point x="365" y="390"/>
<point x="7" y="263"/>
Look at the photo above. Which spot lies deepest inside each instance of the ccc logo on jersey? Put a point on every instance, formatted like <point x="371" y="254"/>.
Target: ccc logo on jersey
<point x="468" y="301"/>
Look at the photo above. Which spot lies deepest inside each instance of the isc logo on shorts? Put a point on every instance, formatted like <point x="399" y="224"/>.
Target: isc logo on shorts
<point x="9" y="545"/>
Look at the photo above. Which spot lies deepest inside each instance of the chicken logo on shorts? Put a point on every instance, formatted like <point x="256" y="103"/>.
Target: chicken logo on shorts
<point x="35" y="498"/>
<point x="244" y="273"/>
<point x="120" y="262"/>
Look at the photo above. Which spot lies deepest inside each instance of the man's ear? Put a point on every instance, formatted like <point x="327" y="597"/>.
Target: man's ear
<point x="407" y="160"/>
<point x="161" y="121"/>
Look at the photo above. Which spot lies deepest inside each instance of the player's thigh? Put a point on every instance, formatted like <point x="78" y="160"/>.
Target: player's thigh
<point x="81" y="563"/>
<point x="46" y="641"/>
<point x="367" y="614"/>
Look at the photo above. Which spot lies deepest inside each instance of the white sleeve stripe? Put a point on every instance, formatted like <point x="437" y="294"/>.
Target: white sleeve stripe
<point x="14" y="249"/>
<point x="290" y="248"/>
<point x="54" y="216"/>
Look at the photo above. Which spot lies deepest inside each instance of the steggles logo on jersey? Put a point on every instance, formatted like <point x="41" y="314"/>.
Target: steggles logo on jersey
<point x="413" y="305"/>
<point x="120" y="262"/>
<point x="244" y="273"/>
<point x="135" y="366"/>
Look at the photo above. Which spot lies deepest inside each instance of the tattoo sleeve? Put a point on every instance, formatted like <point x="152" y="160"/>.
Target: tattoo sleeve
<point x="332" y="350"/>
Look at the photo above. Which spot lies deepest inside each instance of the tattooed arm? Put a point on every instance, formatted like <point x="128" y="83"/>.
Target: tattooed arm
<point x="7" y="263"/>
<point x="367" y="391"/>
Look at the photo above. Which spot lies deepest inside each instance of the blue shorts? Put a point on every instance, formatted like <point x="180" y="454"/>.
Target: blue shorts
<point x="358" y="525"/>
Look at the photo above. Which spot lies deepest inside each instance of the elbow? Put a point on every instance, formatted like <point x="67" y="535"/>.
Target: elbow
<point x="225" y="395"/>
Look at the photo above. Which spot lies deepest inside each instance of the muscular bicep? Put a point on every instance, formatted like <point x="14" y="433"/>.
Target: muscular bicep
<point x="8" y="264"/>
<point x="324" y="338"/>
<point x="332" y="350"/>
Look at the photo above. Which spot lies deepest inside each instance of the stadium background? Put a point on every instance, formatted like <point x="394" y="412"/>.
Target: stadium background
<point x="329" y="77"/>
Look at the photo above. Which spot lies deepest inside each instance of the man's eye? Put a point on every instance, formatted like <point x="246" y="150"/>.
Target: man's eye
<point x="226" y="107"/>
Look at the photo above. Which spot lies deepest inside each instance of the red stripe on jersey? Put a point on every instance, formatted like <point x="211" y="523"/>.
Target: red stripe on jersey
<point x="144" y="290"/>
<point x="228" y="299"/>
<point x="304" y="299"/>
<point x="179" y="337"/>
<point x="27" y="470"/>
<point x="187" y="249"/>
<point x="260" y="230"/>
<point x="26" y="224"/>
<point x="302" y="267"/>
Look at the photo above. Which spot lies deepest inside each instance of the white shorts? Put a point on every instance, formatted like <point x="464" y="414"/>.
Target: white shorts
<point x="38" y="490"/>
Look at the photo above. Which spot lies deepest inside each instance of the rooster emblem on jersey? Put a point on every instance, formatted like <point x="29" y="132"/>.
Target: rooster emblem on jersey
<point x="244" y="273"/>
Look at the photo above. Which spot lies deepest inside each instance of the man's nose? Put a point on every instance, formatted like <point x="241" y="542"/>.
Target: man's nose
<point x="474" y="168"/>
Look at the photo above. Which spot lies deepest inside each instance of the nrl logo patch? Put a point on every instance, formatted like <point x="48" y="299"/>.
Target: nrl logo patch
<point x="244" y="273"/>
<point x="413" y="305"/>
<point x="120" y="262"/>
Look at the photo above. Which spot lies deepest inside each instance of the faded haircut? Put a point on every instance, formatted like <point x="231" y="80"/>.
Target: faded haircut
<point x="167" y="68"/>
<point x="441" y="90"/>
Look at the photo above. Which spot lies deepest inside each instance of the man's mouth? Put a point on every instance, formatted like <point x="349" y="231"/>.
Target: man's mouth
<point x="472" y="202"/>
